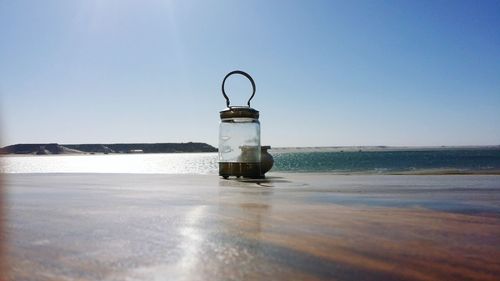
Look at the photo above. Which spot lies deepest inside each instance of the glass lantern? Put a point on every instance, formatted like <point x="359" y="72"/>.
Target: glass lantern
<point x="239" y="138"/>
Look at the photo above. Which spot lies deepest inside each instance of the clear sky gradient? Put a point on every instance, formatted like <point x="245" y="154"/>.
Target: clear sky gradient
<point x="327" y="72"/>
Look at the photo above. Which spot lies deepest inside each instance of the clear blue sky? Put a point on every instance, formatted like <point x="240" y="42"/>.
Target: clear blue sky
<point x="327" y="72"/>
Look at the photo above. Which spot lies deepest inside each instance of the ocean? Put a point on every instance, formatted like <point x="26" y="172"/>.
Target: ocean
<point x="399" y="161"/>
<point x="435" y="161"/>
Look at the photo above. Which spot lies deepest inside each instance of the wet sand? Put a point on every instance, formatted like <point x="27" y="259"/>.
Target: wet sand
<point x="288" y="227"/>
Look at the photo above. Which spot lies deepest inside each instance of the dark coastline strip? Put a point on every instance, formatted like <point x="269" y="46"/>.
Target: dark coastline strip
<point x="54" y="148"/>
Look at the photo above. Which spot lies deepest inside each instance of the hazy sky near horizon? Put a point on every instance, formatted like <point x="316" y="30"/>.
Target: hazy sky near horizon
<point x="327" y="72"/>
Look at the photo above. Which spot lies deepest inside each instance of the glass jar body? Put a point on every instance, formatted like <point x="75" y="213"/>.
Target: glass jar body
<point x="239" y="147"/>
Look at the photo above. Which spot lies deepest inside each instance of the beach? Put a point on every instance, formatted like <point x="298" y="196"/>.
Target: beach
<point x="129" y="131"/>
<point x="290" y="226"/>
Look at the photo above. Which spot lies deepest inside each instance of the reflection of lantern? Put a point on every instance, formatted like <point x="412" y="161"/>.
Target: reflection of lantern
<point x="239" y="138"/>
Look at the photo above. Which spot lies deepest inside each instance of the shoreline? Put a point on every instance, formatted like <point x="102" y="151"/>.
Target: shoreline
<point x="423" y="172"/>
<point x="380" y="148"/>
<point x="271" y="174"/>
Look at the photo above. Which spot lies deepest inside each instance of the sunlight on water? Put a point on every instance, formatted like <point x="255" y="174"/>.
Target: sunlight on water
<point x="378" y="162"/>
<point x="172" y="163"/>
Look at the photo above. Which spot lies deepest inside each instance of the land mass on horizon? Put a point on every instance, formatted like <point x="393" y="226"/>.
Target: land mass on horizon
<point x="54" y="148"/>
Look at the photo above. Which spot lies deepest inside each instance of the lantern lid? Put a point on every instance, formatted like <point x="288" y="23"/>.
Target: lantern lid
<point x="239" y="112"/>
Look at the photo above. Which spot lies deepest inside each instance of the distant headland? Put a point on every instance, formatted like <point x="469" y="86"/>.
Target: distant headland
<point x="54" y="148"/>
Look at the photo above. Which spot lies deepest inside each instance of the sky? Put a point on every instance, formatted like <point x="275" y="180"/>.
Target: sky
<point x="328" y="73"/>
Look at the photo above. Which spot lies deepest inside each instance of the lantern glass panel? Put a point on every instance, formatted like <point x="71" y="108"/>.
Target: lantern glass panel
<point x="239" y="140"/>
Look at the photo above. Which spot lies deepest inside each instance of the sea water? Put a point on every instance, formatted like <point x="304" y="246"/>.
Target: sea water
<point x="379" y="162"/>
<point x="399" y="161"/>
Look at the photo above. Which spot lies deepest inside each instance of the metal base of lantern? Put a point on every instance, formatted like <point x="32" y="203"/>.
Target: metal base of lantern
<point x="240" y="169"/>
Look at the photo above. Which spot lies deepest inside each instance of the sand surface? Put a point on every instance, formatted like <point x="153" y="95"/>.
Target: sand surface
<point x="288" y="227"/>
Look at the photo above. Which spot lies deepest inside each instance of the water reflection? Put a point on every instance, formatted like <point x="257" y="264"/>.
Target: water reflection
<point x="161" y="163"/>
<point x="191" y="238"/>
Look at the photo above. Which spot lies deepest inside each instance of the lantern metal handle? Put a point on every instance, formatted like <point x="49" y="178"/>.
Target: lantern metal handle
<point x="241" y="73"/>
